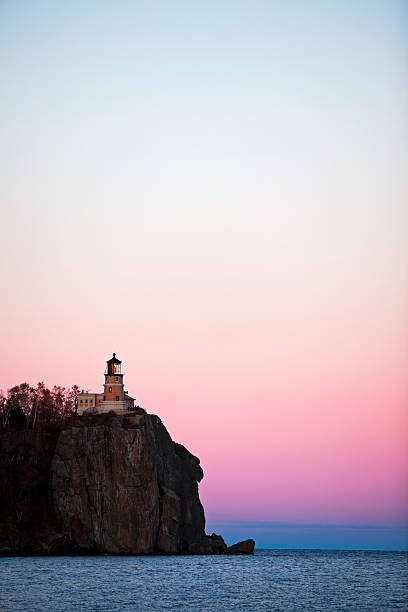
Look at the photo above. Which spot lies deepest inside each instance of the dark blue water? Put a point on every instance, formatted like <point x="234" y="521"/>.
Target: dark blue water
<point x="270" y="580"/>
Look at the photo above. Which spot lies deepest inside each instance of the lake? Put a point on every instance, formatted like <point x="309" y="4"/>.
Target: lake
<point x="269" y="580"/>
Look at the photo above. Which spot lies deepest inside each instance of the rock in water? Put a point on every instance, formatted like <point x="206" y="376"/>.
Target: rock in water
<point x="104" y="484"/>
<point x="242" y="548"/>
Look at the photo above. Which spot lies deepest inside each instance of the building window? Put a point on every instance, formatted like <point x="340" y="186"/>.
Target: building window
<point x="104" y="398"/>
<point x="99" y="401"/>
<point x="117" y="398"/>
<point x="90" y="401"/>
<point x="116" y="378"/>
<point x="80" y="401"/>
<point x="110" y="389"/>
<point x="86" y="401"/>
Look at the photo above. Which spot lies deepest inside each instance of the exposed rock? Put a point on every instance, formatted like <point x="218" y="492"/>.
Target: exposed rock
<point x="210" y="545"/>
<point x="103" y="484"/>
<point x="242" y="548"/>
<point x="28" y="523"/>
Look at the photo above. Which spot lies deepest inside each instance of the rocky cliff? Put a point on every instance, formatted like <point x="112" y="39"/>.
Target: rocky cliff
<point x="103" y="484"/>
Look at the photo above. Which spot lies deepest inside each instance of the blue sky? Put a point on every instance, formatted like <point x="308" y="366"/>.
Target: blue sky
<point x="313" y="535"/>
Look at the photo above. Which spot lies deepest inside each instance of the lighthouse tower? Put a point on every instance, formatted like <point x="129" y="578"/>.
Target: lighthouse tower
<point x="113" y="389"/>
<point x="114" y="396"/>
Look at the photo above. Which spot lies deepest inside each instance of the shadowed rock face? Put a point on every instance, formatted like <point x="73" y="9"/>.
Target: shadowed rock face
<point x="127" y="488"/>
<point x="104" y="484"/>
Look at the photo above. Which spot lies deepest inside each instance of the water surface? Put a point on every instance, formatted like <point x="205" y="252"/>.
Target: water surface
<point x="270" y="580"/>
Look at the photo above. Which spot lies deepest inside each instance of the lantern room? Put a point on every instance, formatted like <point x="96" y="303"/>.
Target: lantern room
<point x="113" y="366"/>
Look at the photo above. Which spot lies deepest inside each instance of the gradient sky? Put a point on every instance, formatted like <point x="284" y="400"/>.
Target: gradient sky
<point x="216" y="192"/>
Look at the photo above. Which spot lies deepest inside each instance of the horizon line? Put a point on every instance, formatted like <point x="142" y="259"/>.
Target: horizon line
<point x="313" y="525"/>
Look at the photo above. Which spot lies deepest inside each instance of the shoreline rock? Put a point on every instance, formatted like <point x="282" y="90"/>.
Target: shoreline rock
<point x="246" y="547"/>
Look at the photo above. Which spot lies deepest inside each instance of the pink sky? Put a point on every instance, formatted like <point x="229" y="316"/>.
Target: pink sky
<point x="297" y="414"/>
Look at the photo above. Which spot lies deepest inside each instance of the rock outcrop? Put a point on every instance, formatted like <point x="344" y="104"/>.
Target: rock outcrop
<point x="103" y="484"/>
<point x="242" y="548"/>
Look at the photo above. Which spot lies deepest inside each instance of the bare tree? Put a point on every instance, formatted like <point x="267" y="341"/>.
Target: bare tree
<point x="40" y="405"/>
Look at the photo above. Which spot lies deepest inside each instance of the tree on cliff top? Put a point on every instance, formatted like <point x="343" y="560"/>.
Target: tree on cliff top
<point x="17" y="419"/>
<point x="39" y="405"/>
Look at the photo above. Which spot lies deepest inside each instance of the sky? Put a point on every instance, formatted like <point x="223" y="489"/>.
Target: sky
<point x="216" y="192"/>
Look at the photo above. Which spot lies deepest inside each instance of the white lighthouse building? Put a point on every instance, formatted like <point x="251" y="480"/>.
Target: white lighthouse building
<point x="114" y="396"/>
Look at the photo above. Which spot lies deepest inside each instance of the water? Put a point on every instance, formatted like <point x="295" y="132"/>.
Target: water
<point x="270" y="580"/>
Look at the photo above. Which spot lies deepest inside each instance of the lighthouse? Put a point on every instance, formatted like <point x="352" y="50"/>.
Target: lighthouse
<point x="113" y="389"/>
<point x="114" y="397"/>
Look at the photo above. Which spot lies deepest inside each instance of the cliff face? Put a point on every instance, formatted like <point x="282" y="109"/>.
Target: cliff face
<point x="104" y="484"/>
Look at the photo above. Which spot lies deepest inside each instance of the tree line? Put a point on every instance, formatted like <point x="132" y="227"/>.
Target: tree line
<point x="32" y="407"/>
